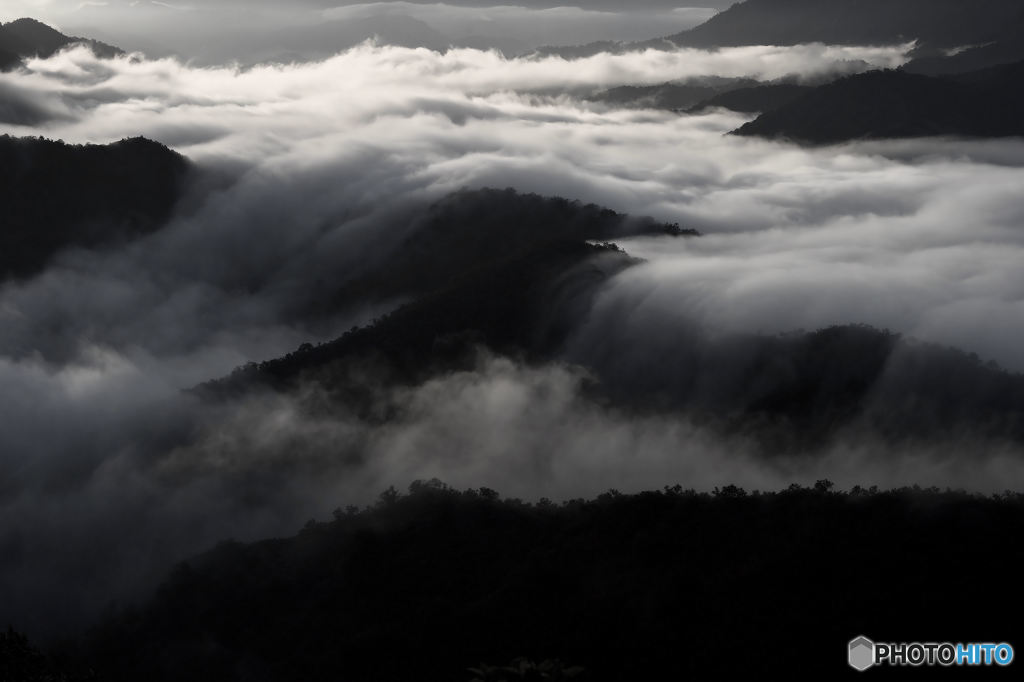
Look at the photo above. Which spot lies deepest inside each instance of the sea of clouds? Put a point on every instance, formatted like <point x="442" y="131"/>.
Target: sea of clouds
<point x="314" y="171"/>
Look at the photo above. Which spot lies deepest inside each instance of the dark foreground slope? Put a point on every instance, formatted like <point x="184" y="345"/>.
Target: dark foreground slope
<point x="55" y="195"/>
<point x="891" y="104"/>
<point x="25" y="38"/>
<point x="655" y="586"/>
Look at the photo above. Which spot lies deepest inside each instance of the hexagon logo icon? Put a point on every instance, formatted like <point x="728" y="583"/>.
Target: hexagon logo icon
<point x="862" y="653"/>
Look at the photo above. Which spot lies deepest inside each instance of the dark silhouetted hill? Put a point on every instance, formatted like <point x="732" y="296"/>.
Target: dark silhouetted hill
<point x="525" y="287"/>
<point x="800" y="392"/>
<point x="754" y="99"/>
<point x="792" y="393"/>
<point x="55" y="195"/>
<point x="24" y="38"/>
<point x="529" y="295"/>
<point x="1006" y="50"/>
<point x="523" y="305"/>
<point x="473" y="229"/>
<point x="891" y="104"/>
<point x="670" y="585"/>
<point x="999" y="78"/>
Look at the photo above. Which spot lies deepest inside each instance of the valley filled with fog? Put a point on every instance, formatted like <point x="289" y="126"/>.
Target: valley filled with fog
<point x="307" y="184"/>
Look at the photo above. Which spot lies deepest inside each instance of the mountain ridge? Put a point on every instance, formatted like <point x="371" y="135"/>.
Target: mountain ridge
<point x="936" y="23"/>
<point x="894" y="103"/>
<point x="939" y="27"/>
<point x="57" y="195"/>
<point x="26" y="38"/>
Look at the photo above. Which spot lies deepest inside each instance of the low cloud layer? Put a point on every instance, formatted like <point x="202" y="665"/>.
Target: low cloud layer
<point x="314" y="149"/>
<point x="926" y="248"/>
<point x="314" y="172"/>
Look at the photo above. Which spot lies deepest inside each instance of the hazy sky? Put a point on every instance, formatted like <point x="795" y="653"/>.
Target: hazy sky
<point x="67" y="6"/>
<point x="212" y="32"/>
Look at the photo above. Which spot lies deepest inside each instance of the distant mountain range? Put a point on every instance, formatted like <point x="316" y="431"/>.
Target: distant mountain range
<point x="890" y="104"/>
<point x="964" y="81"/>
<point x="26" y="38"/>
<point x="951" y="35"/>
<point x="935" y="23"/>
<point x="875" y="105"/>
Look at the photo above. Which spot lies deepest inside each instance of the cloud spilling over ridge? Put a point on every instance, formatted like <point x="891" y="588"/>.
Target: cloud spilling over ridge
<point x="316" y="147"/>
<point x="327" y="166"/>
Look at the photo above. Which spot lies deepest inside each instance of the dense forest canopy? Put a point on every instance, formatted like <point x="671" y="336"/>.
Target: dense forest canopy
<point x="622" y="586"/>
